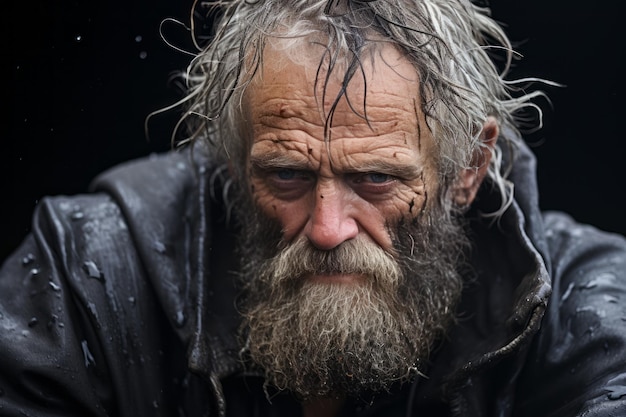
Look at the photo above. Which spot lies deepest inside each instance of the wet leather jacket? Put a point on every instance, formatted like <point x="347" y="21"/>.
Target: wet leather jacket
<point x="120" y="303"/>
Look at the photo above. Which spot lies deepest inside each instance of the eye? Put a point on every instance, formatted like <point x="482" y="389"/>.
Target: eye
<point x="373" y="178"/>
<point x="289" y="183"/>
<point x="374" y="185"/>
<point x="286" y="174"/>
<point x="377" y="177"/>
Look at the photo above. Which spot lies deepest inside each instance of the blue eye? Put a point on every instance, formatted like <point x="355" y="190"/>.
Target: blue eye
<point x="286" y="174"/>
<point x="378" y="178"/>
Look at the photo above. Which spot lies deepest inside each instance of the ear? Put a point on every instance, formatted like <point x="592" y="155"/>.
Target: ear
<point x="469" y="180"/>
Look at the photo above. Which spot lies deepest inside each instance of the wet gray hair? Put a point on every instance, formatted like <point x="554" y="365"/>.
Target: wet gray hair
<point x="451" y="44"/>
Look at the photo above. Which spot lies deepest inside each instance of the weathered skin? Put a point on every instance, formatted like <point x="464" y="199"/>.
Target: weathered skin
<point x="369" y="175"/>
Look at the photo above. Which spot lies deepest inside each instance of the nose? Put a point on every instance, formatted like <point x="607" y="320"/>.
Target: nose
<point x="331" y="222"/>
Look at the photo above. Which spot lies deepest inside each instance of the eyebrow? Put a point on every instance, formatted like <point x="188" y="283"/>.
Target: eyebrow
<point x="400" y="170"/>
<point x="274" y="160"/>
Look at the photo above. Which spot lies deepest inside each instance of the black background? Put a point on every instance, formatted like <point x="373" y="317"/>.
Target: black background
<point x="81" y="76"/>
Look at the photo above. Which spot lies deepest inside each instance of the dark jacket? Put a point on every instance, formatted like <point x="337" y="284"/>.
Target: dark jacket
<point x="120" y="303"/>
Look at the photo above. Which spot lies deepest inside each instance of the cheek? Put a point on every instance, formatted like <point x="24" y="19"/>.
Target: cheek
<point x="291" y="215"/>
<point x="407" y="205"/>
<point x="263" y="199"/>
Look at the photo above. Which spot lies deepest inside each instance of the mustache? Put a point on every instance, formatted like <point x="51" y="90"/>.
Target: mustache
<point x="357" y="256"/>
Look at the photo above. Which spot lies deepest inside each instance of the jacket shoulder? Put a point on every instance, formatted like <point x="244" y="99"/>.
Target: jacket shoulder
<point x="69" y="305"/>
<point x="577" y="365"/>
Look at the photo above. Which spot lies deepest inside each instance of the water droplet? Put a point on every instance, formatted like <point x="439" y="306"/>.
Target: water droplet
<point x="138" y="38"/>
<point x="77" y="215"/>
<point x="92" y="270"/>
<point x="33" y="322"/>
<point x="602" y="279"/>
<point x="34" y="272"/>
<point x="54" y="286"/>
<point x="590" y="309"/>
<point x="88" y="357"/>
<point x="25" y="333"/>
<point x="611" y="299"/>
<point x="616" y="392"/>
<point x="132" y="300"/>
<point x="567" y="292"/>
<point x="143" y="55"/>
<point x="180" y="318"/>
<point x="28" y="259"/>
<point x="78" y="38"/>
<point x="159" y="246"/>
<point x="92" y="309"/>
<point x="577" y="232"/>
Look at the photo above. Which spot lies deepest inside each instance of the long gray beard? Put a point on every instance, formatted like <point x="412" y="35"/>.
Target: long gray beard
<point x="323" y="339"/>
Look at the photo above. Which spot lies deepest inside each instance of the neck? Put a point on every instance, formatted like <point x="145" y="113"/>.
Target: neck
<point x="322" y="407"/>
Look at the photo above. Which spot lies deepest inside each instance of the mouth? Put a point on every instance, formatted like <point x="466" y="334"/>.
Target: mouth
<point x="335" y="278"/>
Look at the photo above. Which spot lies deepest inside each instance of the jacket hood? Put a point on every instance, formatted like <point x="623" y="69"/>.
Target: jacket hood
<point x="177" y="225"/>
<point x="503" y="305"/>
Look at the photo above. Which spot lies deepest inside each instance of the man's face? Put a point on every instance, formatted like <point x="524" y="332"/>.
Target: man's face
<point x="373" y="173"/>
<point x="351" y="268"/>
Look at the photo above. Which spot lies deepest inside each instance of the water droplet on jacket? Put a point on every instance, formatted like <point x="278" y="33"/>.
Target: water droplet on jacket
<point x="603" y="279"/>
<point x="88" y="357"/>
<point x="158" y="246"/>
<point x="616" y="392"/>
<point x="28" y="259"/>
<point x="25" y="333"/>
<point x="155" y="404"/>
<point x="132" y="300"/>
<point x="77" y="215"/>
<point x="92" y="270"/>
<point x="33" y="322"/>
<point x="180" y="319"/>
<point x="577" y="232"/>
<point x="54" y="286"/>
<point x="34" y="272"/>
<point x="567" y="292"/>
<point x="591" y="309"/>
<point x="92" y="309"/>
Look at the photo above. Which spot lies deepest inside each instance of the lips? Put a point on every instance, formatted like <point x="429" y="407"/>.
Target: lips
<point x="335" y="278"/>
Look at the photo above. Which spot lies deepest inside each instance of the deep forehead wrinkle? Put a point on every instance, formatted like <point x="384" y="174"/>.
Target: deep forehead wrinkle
<point x="290" y="114"/>
<point x="285" y="107"/>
